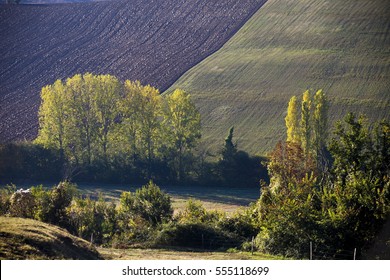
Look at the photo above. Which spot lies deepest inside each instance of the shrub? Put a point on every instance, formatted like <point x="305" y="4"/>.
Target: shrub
<point x="5" y="195"/>
<point x="133" y="232"/>
<point x="60" y="198"/>
<point x="93" y="220"/>
<point x="241" y="224"/>
<point x="149" y="202"/>
<point x="194" y="212"/>
<point x="21" y="204"/>
<point x="200" y="236"/>
<point x="42" y="203"/>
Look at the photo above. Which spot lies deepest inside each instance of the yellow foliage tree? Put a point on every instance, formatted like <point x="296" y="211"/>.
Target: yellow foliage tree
<point x="292" y="121"/>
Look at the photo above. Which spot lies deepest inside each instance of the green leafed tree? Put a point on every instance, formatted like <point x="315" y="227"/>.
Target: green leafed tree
<point x="83" y="117"/>
<point x="182" y="124"/>
<point x="77" y="116"/>
<point x="150" y="113"/>
<point x="106" y="100"/>
<point x="128" y="132"/>
<point x="320" y="128"/>
<point x="351" y="147"/>
<point x="53" y="115"/>
<point x="141" y="119"/>
<point x="230" y="149"/>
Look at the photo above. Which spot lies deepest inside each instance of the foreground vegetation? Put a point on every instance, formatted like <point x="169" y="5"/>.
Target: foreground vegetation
<point x="334" y="195"/>
<point x="143" y="218"/>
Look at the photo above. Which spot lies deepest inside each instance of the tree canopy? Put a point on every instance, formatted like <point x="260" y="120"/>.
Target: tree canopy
<point x="96" y="119"/>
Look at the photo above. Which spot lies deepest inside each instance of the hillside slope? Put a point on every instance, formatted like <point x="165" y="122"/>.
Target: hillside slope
<point x="154" y="41"/>
<point x="288" y="46"/>
<point x="30" y="239"/>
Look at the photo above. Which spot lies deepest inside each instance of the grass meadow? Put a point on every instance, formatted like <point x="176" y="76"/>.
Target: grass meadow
<point x="287" y="47"/>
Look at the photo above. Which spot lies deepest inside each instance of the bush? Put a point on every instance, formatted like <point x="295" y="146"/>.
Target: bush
<point x="5" y="195"/>
<point x="149" y="202"/>
<point x="42" y="203"/>
<point x="21" y="204"/>
<point x="95" y="221"/>
<point x="29" y="161"/>
<point x="60" y="198"/>
<point x="241" y="224"/>
<point x="200" y="236"/>
<point x="194" y="212"/>
<point x="133" y="232"/>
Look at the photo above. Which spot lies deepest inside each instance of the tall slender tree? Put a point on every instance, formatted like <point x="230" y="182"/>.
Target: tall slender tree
<point x="292" y="121"/>
<point x="320" y="128"/>
<point x="305" y="124"/>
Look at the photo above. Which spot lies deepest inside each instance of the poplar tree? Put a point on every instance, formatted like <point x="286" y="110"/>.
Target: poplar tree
<point x="320" y="126"/>
<point x="305" y="124"/>
<point x="292" y="121"/>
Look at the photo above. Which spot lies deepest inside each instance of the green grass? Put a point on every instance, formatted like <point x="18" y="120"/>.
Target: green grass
<point x="30" y="239"/>
<point x="289" y="46"/>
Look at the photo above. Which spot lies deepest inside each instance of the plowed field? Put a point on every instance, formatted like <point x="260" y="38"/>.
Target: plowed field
<point x="154" y="41"/>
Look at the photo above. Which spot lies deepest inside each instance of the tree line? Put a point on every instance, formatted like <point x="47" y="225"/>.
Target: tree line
<point x="94" y="119"/>
<point x="96" y="128"/>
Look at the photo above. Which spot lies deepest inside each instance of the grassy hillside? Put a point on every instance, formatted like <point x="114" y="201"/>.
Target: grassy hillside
<point x="151" y="41"/>
<point x="288" y="46"/>
<point x="30" y="239"/>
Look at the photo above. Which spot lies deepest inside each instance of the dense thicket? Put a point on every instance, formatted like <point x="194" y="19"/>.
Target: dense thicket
<point x="336" y="196"/>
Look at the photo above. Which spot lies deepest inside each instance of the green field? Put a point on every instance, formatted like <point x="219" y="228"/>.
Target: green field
<point x="289" y="46"/>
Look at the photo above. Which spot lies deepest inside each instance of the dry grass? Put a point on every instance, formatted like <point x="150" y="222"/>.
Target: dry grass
<point x="164" y="254"/>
